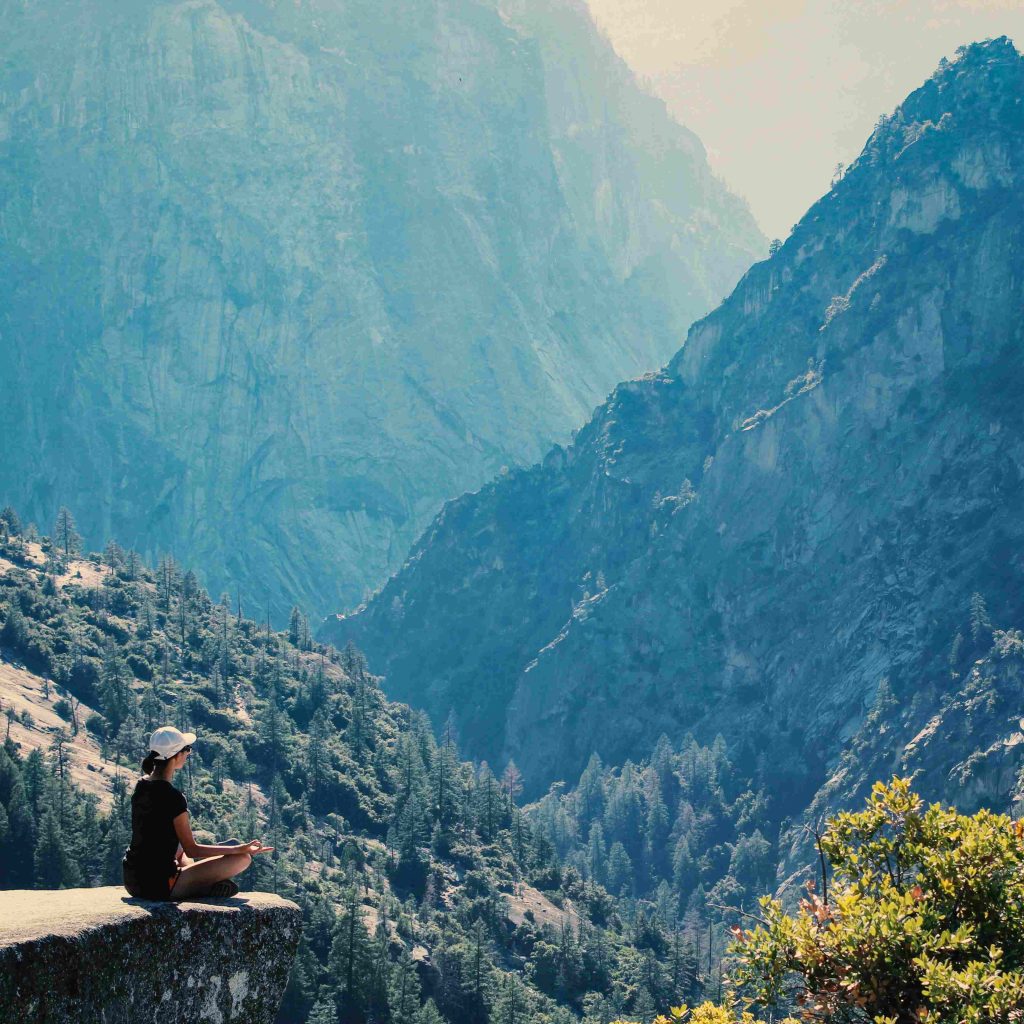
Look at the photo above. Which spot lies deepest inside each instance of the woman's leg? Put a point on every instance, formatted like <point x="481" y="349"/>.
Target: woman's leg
<point x="196" y="879"/>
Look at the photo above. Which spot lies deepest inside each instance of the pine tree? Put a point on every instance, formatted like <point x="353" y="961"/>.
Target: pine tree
<point x="64" y="533"/>
<point x="116" y="699"/>
<point x="191" y="594"/>
<point x="511" y="1005"/>
<point x="278" y="798"/>
<point x="980" y="622"/>
<point x="62" y="782"/>
<point x="410" y="836"/>
<point x="88" y="844"/>
<point x="589" y="794"/>
<point x="295" y="627"/>
<point x="596" y="854"/>
<point x="379" y="974"/>
<point x="272" y="729"/>
<point x="246" y="824"/>
<point x="623" y="816"/>
<point x="300" y="996"/>
<point x="455" y="979"/>
<point x="113" y="555"/>
<point x="10" y="524"/>
<point x="15" y="632"/>
<point x="480" y="977"/>
<point x="429" y="1014"/>
<point x="620" y="870"/>
<point x="362" y="721"/>
<point x="353" y="661"/>
<point x="684" y="869"/>
<point x="168" y="580"/>
<point x="145" y="619"/>
<point x="33" y="774"/>
<point x="444" y="783"/>
<point x="324" y="1011"/>
<point x="661" y="766"/>
<point x="955" y="650"/>
<point x="350" y="956"/>
<point x="17" y="846"/>
<point x="488" y="802"/>
<point x="133" y="565"/>
<point x="512" y="783"/>
<point x="656" y="837"/>
<point x="118" y="834"/>
<point x="54" y="868"/>
<point x="318" y="760"/>
<point x="403" y="992"/>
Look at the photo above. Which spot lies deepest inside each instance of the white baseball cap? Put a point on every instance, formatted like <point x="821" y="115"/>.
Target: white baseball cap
<point x="168" y="741"/>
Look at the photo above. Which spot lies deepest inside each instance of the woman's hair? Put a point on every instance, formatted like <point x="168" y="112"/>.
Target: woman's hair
<point x="151" y="760"/>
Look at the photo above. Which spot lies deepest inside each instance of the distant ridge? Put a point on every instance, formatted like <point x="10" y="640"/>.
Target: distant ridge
<point x="279" y="279"/>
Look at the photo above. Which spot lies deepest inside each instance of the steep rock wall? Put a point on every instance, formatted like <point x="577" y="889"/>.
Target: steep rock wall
<point x="280" y="278"/>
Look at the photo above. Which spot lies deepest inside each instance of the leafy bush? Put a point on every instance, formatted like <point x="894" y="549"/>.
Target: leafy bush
<point x="140" y="667"/>
<point x="709" y="1013"/>
<point x="923" y="920"/>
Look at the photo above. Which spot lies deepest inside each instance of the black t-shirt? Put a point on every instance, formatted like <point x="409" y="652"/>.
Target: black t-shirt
<point x="155" y="805"/>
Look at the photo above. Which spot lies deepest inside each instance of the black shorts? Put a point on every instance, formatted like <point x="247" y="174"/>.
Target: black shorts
<point x="147" y="886"/>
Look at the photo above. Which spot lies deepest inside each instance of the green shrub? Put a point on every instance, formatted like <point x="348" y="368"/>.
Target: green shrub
<point x="923" y="920"/>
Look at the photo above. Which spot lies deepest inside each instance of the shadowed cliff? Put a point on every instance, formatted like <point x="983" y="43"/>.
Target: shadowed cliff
<point x="796" y="508"/>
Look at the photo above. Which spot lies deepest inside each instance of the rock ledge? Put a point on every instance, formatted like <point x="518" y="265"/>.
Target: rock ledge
<point x="92" y="955"/>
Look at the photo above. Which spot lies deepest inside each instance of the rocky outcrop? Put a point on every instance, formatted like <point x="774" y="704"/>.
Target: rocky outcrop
<point x="796" y="508"/>
<point x="95" y="955"/>
<point x="280" y="278"/>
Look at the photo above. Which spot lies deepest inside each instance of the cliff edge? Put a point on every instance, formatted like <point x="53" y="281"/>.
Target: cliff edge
<point x="88" y="955"/>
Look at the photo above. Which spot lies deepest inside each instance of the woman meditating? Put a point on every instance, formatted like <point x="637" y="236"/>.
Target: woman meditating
<point x="164" y="862"/>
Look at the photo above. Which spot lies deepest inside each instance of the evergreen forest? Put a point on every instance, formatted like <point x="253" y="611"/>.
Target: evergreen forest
<point x="427" y="892"/>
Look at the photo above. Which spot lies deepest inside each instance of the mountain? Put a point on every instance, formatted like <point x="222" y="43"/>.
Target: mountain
<point x="427" y="894"/>
<point x="796" y="509"/>
<point x="280" y="278"/>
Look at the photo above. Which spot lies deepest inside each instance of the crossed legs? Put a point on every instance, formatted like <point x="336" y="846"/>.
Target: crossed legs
<point x="198" y="875"/>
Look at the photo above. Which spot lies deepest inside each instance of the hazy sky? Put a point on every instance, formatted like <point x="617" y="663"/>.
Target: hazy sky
<point x="780" y="91"/>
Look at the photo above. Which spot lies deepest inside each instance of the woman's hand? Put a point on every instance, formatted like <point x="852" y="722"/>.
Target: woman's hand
<point x="254" y="846"/>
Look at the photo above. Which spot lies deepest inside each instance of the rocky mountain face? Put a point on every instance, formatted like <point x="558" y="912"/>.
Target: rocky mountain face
<point x="279" y="278"/>
<point x="796" y="509"/>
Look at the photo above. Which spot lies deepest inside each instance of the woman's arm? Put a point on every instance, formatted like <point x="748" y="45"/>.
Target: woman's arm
<point x="199" y="851"/>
